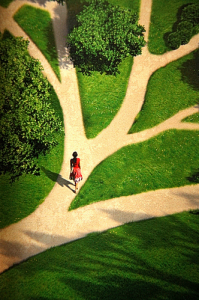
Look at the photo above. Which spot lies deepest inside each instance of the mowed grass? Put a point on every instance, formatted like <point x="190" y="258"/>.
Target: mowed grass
<point x="154" y="259"/>
<point x="22" y="197"/>
<point x="165" y="15"/>
<point x="194" y="118"/>
<point x="102" y="95"/>
<point x="165" y="161"/>
<point x="38" y="25"/>
<point x="170" y="89"/>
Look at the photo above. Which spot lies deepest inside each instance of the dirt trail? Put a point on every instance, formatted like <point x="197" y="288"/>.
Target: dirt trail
<point x="51" y="224"/>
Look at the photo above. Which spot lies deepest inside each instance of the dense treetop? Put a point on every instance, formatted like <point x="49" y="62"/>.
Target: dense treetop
<point x="27" y="121"/>
<point x="105" y="34"/>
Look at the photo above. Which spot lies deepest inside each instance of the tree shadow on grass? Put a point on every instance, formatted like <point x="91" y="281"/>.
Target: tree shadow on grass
<point x="190" y="71"/>
<point x="194" y="177"/>
<point x="57" y="178"/>
<point x="141" y="260"/>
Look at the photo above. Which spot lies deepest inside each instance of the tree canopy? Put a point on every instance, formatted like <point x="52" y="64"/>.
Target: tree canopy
<point x="105" y="34"/>
<point x="27" y="121"/>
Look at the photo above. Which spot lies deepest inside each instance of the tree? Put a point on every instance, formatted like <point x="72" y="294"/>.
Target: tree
<point x="105" y="34"/>
<point x="27" y="121"/>
<point x="186" y="28"/>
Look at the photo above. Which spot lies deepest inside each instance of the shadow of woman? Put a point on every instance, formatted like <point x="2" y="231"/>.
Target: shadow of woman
<point x="58" y="178"/>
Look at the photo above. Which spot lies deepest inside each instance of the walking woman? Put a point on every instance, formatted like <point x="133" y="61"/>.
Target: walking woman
<point x="75" y="170"/>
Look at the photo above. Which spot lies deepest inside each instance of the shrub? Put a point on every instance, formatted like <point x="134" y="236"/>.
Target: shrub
<point x="174" y="40"/>
<point x="185" y="31"/>
<point x="188" y="26"/>
<point x="191" y="13"/>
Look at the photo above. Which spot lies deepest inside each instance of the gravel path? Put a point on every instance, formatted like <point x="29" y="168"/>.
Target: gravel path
<point x="51" y="224"/>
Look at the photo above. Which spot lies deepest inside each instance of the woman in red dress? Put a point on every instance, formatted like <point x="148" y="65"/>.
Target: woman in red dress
<point x="75" y="170"/>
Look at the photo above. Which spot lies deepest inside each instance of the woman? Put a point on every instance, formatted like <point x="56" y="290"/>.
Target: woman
<point x="75" y="170"/>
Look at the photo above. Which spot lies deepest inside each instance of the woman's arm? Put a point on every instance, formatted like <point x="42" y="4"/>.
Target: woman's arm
<point x="79" y="164"/>
<point x="71" y="165"/>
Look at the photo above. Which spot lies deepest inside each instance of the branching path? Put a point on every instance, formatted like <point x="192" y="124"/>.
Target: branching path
<point x="52" y="224"/>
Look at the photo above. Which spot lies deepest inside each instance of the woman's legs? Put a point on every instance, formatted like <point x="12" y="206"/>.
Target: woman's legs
<point x="76" y="186"/>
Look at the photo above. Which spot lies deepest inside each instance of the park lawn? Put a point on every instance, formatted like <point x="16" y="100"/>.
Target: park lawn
<point x="102" y="95"/>
<point x="165" y="161"/>
<point x="38" y="25"/>
<point x="165" y="15"/>
<point x="21" y="198"/>
<point x="154" y="259"/>
<point x="194" y="118"/>
<point x="179" y="90"/>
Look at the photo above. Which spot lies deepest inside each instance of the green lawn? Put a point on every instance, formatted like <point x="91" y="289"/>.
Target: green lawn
<point x="102" y="96"/>
<point x="155" y="259"/>
<point x="165" y="15"/>
<point x="194" y="118"/>
<point x="179" y="90"/>
<point x="38" y="25"/>
<point x="21" y="198"/>
<point x="166" y="161"/>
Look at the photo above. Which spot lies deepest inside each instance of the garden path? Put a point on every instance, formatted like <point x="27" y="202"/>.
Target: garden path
<point x="52" y="224"/>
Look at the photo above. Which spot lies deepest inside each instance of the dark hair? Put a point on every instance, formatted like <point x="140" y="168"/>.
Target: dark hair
<point x="75" y="154"/>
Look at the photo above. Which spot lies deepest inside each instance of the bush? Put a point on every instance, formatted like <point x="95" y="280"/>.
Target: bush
<point x="174" y="40"/>
<point x="185" y="31"/>
<point x="188" y="27"/>
<point x="185" y="25"/>
<point x="191" y="13"/>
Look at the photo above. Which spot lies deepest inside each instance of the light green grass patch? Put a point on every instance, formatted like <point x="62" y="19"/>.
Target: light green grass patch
<point x="38" y="25"/>
<point x="102" y="96"/>
<point x="165" y="161"/>
<point x="165" y="14"/>
<point x="170" y="89"/>
<point x="152" y="260"/>
<point x="193" y="118"/>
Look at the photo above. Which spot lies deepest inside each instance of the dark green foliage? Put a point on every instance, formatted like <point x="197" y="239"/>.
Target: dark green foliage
<point x="5" y="3"/>
<point x="28" y="123"/>
<point x="185" y="31"/>
<point x="187" y="27"/>
<point x="174" y="40"/>
<point x="191" y="13"/>
<point x="104" y="36"/>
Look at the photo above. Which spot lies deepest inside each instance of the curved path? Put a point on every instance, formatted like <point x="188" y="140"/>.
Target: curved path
<point x="52" y="224"/>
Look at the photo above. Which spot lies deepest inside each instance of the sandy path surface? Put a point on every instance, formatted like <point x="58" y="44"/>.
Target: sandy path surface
<point x="51" y="224"/>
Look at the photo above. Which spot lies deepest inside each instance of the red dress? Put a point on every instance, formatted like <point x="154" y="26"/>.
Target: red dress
<point x="76" y="174"/>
